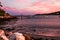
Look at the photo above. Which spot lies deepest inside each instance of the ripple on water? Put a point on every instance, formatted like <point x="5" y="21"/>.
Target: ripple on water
<point x="49" y="27"/>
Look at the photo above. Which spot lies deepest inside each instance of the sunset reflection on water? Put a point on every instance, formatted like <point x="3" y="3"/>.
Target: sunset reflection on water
<point x="47" y="27"/>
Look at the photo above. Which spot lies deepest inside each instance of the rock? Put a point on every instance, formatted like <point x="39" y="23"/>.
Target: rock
<point x="19" y="36"/>
<point x="27" y="37"/>
<point x="1" y="38"/>
<point x="12" y="37"/>
<point x="10" y="29"/>
<point x="2" y="35"/>
<point x="2" y="32"/>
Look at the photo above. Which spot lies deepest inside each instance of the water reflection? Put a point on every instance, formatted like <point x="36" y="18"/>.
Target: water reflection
<point x="48" y="27"/>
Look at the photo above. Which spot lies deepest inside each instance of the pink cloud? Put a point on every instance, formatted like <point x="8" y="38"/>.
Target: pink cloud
<point x="36" y="6"/>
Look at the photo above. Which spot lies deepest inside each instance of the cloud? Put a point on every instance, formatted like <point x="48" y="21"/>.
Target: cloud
<point x="33" y="5"/>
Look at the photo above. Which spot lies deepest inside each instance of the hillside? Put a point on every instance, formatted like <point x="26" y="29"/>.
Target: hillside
<point x="53" y="13"/>
<point x="2" y="12"/>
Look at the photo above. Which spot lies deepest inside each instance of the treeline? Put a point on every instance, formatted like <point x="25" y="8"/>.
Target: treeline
<point x="2" y="12"/>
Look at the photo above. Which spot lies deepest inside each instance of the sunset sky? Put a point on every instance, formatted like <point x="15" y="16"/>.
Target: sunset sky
<point x="31" y="6"/>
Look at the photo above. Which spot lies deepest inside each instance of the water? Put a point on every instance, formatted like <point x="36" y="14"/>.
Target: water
<point x="44" y="26"/>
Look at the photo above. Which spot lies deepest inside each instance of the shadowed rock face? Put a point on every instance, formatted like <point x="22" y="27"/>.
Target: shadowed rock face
<point x="1" y="38"/>
<point x="27" y="37"/>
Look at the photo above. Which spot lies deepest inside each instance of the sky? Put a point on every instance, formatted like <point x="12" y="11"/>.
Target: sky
<point x="31" y="6"/>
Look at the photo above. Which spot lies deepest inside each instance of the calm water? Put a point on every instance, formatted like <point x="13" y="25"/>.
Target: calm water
<point x="43" y="26"/>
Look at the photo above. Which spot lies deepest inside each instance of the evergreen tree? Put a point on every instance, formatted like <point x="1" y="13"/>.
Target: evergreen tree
<point x="2" y="12"/>
<point x="0" y="5"/>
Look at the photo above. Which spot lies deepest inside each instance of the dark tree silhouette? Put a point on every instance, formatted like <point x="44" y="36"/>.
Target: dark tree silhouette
<point x="2" y="12"/>
<point x="1" y="5"/>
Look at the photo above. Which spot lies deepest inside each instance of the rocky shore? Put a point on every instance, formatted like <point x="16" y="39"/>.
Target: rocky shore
<point x="32" y="36"/>
<point x="4" y="15"/>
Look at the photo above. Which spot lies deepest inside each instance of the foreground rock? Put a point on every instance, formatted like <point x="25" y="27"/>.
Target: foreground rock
<point x="2" y="35"/>
<point x="13" y="36"/>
